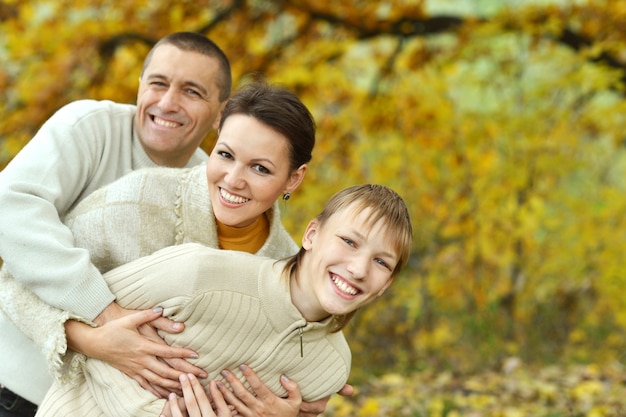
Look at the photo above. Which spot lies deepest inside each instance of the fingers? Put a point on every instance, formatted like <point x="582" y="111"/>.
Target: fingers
<point x="173" y="408"/>
<point x="167" y="325"/>
<point x="262" y="401"/>
<point x="258" y="387"/>
<point x="183" y="366"/>
<point x="346" y="391"/>
<point x="196" y="400"/>
<point x="139" y="317"/>
<point x="156" y="384"/>
<point x="237" y="395"/>
<point x="162" y="349"/>
<point x="219" y="402"/>
<point x="312" y="409"/>
<point x="293" y="391"/>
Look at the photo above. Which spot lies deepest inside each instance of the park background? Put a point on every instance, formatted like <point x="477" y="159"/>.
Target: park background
<point x="502" y="124"/>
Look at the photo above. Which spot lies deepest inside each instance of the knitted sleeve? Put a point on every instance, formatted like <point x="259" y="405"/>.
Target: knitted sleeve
<point x="83" y="146"/>
<point x="44" y="325"/>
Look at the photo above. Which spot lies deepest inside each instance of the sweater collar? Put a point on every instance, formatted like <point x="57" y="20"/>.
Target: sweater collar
<point x="274" y="292"/>
<point x="140" y="157"/>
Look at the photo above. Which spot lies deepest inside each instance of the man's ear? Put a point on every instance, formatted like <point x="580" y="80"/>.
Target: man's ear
<point x="309" y="234"/>
<point x="216" y="122"/>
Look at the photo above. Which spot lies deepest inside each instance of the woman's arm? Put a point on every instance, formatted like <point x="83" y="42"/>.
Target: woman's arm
<point x="127" y="341"/>
<point x="130" y="345"/>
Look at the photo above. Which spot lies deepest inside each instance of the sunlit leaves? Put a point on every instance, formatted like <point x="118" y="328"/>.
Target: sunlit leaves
<point x="505" y="137"/>
<point x="513" y="390"/>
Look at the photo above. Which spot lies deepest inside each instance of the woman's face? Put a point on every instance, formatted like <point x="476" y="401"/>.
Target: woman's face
<point x="248" y="170"/>
<point x="348" y="263"/>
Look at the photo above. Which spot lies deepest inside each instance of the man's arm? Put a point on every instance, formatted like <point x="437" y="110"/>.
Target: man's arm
<point x="66" y="160"/>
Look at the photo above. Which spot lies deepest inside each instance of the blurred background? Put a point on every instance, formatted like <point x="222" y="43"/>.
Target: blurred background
<point x="502" y="124"/>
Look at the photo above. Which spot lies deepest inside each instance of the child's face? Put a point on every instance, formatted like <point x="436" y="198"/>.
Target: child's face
<point x="348" y="264"/>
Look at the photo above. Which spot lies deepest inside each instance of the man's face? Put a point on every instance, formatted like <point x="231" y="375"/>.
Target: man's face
<point x="177" y="104"/>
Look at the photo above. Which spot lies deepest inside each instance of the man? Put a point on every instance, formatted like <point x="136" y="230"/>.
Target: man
<point x="184" y="84"/>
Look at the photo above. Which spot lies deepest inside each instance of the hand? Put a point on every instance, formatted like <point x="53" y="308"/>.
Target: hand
<point x="196" y="402"/>
<point x="119" y="343"/>
<point x="315" y="408"/>
<point x="263" y="403"/>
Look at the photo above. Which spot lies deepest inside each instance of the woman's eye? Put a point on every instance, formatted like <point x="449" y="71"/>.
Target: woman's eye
<point x="261" y="169"/>
<point x="225" y="154"/>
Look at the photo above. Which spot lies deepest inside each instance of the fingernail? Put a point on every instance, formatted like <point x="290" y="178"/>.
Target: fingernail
<point x="224" y="374"/>
<point x="182" y="377"/>
<point x="285" y="378"/>
<point x="191" y="377"/>
<point x="243" y="368"/>
<point x="157" y="310"/>
<point x="193" y="355"/>
<point x="219" y="385"/>
<point x="176" y="326"/>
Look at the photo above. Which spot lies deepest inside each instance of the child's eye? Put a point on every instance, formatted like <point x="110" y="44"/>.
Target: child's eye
<point x="348" y="241"/>
<point x="383" y="263"/>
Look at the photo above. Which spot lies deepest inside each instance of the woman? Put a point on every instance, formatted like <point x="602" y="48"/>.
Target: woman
<point x="281" y="317"/>
<point x="266" y="136"/>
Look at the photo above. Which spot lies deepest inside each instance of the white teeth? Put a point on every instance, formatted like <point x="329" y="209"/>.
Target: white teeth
<point x="343" y="286"/>
<point x="232" y="198"/>
<point x="164" y="123"/>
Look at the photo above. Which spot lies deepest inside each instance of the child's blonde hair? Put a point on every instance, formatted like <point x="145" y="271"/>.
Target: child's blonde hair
<point x="383" y="204"/>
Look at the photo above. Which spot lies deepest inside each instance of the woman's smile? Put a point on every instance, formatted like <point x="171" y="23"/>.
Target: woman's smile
<point x="232" y="198"/>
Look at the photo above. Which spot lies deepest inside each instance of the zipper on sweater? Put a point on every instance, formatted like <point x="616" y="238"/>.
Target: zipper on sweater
<point x="301" y="343"/>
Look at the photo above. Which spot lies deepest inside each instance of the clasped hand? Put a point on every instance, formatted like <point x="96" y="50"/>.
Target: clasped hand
<point x="128" y="340"/>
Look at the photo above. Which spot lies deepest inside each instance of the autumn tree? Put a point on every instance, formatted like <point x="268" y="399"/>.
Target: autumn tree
<point x="504" y="132"/>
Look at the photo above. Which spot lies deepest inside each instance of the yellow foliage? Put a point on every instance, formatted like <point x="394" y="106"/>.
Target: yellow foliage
<point x="507" y="144"/>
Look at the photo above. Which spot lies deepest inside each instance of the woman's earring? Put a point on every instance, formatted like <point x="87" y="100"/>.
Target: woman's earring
<point x="286" y="196"/>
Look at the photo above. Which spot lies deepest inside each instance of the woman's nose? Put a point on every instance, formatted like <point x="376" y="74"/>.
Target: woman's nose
<point x="234" y="178"/>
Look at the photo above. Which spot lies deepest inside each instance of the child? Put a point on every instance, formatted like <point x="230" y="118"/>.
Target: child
<point x="279" y="317"/>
